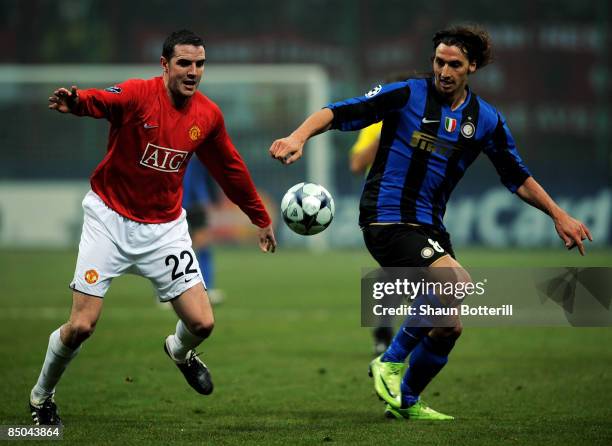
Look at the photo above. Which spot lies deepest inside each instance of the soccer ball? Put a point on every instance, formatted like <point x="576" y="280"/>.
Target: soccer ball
<point x="307" y="208"/>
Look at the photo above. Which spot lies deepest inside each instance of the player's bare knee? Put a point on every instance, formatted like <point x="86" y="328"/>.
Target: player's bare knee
<point x="447" y="269"/>
<point x="84" y="330"/>
<point x="458" y="275"/>
<point x="202" y="328"/>
<point x="463" y="276"/>
<point x="79" y="330"/>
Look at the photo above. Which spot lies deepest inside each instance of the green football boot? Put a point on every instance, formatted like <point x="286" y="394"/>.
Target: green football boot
<point x="387" y="379"/>
<point x="418" y="411"/>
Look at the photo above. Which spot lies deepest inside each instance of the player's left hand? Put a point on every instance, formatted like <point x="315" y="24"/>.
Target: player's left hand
<point x="572" y="232"/>
<point x="267" y="241"/>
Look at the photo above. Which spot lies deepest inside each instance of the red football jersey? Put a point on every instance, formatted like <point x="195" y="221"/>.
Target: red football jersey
<point x="149" y="145"/>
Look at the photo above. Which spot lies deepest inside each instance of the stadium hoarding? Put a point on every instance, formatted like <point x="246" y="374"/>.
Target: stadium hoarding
<point x="491" y="218"/>
<point x="489" y="297"/>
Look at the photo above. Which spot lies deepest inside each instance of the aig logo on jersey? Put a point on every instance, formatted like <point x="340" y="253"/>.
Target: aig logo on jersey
<point x="162" y="158"/>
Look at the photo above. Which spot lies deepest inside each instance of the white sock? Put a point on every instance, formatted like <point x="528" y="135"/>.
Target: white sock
<point x="57" y="358"/>
<point x="182" y="341"/>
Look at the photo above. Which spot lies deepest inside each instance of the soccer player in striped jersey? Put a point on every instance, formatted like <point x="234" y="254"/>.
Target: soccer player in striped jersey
<point x="433" y="129"/>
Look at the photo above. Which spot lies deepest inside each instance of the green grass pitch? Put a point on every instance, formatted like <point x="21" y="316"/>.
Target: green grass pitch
<point x="289" y="360"/>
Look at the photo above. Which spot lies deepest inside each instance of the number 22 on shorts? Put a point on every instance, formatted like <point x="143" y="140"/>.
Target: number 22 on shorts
<point x="174" y="260"/>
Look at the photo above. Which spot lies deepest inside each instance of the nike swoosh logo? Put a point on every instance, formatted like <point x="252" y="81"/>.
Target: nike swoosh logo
<point x="189" y="280"/>
<point x="150" y="126"/>
<point x="387" y="388"/>
<point x="429" y="121"/>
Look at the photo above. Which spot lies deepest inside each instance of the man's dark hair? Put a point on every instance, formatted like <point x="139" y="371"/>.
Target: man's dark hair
<point x="182" y="37"/>
<point x="473" y="41"/>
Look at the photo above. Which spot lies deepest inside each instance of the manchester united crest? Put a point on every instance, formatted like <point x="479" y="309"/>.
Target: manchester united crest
<point x="195" y="133"/>
<point x="91" y="276"/>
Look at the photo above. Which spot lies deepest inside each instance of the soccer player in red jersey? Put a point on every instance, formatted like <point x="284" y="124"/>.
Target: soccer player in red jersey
<point x="134" y="221"/>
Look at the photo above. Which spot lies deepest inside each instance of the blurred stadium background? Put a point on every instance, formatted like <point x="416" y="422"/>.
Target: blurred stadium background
<point x="551" y="79"/>
<point x="290" y="359"/>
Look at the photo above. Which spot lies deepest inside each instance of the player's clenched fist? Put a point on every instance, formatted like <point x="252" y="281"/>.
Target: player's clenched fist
<point x="286" y="150"/>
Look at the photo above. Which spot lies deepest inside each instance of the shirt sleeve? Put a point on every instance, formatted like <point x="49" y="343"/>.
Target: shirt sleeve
<point x="111" y="103"/>
<point x="229" y="170"/>
<point x="362" y="111"/>
<point x="502" y="152"/>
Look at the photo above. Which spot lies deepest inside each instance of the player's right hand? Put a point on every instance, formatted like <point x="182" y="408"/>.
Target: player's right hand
<point x="287" y="150"/>
<point x="63" y="100"/>
<point x="573" y="232"/>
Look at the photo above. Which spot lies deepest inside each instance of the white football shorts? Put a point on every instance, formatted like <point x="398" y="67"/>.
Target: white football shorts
<point x="112" y="245"/>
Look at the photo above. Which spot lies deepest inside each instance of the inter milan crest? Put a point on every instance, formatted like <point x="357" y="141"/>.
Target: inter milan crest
<point x="468" y="129"/>
<point x="427" y="252"/>
<point x="450" y="124"/>
<point x="194" y="133"/>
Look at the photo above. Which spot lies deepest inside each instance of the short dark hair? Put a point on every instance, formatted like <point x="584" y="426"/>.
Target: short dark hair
<point x="473" y="40"/>
<point x="181" y="37"/>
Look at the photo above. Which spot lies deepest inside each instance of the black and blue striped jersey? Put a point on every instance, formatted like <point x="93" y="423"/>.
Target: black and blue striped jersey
<point x="425" y="148"/>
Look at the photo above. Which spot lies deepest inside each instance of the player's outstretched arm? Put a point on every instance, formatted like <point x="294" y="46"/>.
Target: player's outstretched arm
<point x="63" y="100"/>
<point x="288" y="150"/>
<point x="267" y="241"/>
<point x="571" y="231"/>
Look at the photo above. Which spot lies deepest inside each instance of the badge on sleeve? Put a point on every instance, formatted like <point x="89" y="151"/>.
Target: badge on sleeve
<point x="374" y="91"/>
<point x="113" y="89"/>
